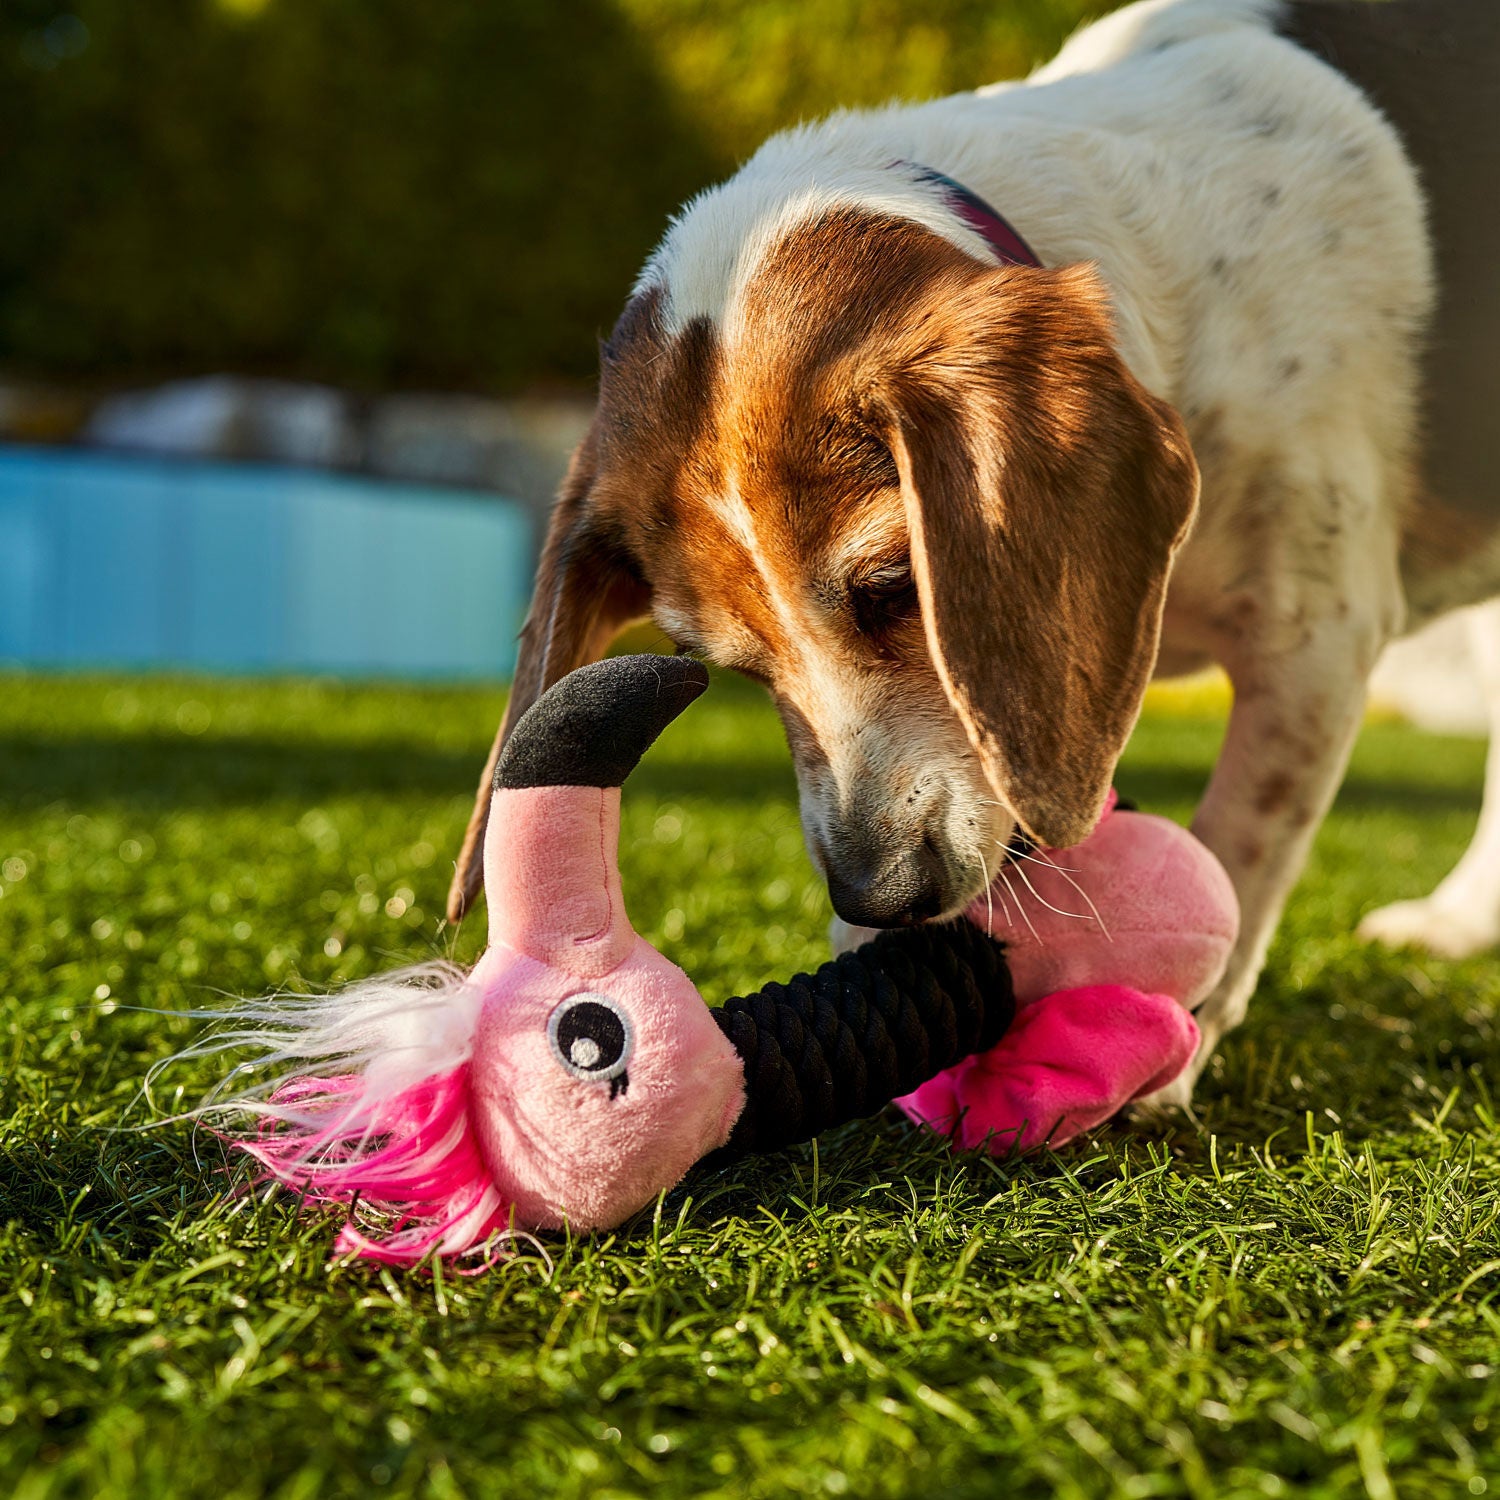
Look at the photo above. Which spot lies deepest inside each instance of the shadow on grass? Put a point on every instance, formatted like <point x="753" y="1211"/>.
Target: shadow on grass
<point x="160" y="771"/>
<point x="170" y="770"/>
<point x="99" y="1180"/>
<point x="165" y="770"/>
<point x="1156" y="786"/>
<point x="1387" y="794"/>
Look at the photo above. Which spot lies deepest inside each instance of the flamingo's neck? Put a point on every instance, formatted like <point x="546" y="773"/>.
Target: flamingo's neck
<point x="551" y="876"/>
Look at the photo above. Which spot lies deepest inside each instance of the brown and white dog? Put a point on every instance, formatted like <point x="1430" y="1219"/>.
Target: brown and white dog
<point x="947" y="510"/>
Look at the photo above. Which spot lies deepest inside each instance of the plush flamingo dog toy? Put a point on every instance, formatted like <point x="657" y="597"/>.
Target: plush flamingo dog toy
<point x="574" y="1073"/>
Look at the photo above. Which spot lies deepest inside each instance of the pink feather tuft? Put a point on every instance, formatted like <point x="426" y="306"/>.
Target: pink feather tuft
<point x="410" y="1163"/>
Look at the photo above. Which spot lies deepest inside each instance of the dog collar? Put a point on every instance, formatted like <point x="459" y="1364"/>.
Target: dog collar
<point x="1010" y="249"/>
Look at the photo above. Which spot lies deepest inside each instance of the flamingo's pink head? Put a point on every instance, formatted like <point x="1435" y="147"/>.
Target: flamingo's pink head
<point x="572" y="1075"/>
<point x="598" y="1074"/>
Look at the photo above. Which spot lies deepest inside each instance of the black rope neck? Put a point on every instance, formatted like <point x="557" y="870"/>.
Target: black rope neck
<point x="869" y="1026"/>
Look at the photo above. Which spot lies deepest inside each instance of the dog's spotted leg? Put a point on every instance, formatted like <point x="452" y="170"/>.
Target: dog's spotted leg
<point x="1297" y="711"/>
<point x="1462" y="916"/>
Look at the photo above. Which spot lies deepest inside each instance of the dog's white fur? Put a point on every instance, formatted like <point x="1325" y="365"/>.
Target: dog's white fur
<point x="1172" y="136"/>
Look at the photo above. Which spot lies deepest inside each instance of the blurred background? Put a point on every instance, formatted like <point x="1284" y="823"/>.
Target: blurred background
<point x="299" y="299"/>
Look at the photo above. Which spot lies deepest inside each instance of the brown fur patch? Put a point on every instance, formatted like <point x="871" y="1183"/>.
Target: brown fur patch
<point x="883" y="388"/>
<point x="1273" y="794"/>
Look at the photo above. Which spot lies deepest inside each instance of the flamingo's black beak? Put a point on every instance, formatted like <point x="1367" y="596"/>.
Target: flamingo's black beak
<point x="593" y="727"/>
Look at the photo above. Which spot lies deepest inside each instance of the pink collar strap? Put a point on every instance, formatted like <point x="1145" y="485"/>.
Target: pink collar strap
<point x="1010" y="249"/>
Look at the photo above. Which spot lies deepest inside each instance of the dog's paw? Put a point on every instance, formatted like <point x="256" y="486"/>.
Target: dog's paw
<point x="1440" y="928"/>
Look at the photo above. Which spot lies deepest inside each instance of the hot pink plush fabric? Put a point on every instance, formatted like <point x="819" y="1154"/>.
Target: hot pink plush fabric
<point x="1110" y="945"/>
<point x="1066" y="1065"/>
<point x="419" y="1150"/>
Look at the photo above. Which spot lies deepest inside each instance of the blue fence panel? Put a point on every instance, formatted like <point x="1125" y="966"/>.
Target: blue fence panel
<point x="138" y="562"/>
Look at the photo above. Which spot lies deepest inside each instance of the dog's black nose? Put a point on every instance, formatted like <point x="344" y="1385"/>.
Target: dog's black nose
<point x="896" y="893"/>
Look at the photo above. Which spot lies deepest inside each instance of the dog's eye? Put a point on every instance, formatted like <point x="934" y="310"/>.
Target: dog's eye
<point x="895" y="578"/>
<point x="592" y="1038"/>
<point x="883" y="597"/>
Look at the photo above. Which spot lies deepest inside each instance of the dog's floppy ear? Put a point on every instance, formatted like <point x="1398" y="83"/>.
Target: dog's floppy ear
<point x="586" y="592"/>
<point x="1046" y="492"/>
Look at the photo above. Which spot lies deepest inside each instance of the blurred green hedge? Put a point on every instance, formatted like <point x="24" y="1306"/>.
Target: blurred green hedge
<point x="406" y="192"/>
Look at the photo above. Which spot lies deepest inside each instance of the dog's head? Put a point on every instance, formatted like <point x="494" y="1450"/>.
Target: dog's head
<point x="924" y="502"/>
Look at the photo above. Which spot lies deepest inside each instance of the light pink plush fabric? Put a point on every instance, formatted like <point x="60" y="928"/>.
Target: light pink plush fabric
<point x="1140" y="902"/>
<point x="562" y="1149"/>
<point x="552" y="876"/>
<point x="1110" y="945"/>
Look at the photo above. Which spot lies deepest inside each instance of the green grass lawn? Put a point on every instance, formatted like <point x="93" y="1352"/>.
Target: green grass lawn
<point x="1298" y="1295"/>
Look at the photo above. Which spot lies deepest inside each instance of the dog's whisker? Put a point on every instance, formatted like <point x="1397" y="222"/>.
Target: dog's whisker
<point x="1026" y="881"/>
<point x="1061" y="869"/>
<point x="1021" y="906"/>
<point x="989" y="900"/>
<point x="994" y="889"/>
<point x="1040" y="858"/>
<point x="990" y="802"/>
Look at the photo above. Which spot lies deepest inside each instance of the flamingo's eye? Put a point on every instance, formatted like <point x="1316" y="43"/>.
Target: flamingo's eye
<point x="592" y="1038"/>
